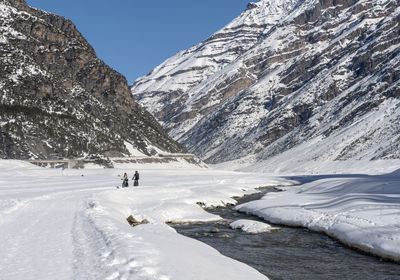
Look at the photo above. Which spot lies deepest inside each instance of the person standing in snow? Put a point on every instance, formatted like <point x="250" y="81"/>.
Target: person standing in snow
<point x="125" y="181"/>
<point x="136" y="179"/>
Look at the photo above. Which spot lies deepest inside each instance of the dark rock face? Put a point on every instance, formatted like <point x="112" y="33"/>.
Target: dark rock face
<point x="57" y="99"/>
<point x="324" y="72"/>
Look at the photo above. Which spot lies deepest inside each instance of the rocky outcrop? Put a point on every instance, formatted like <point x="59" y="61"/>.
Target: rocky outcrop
<point x="133" y="222"/>
<point x="57" y="99"/>
<point x="317" y="71"/>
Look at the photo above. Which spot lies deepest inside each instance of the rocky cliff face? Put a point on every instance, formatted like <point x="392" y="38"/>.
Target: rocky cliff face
<point x="314" y="73"/>
<point x="57" y="99"/>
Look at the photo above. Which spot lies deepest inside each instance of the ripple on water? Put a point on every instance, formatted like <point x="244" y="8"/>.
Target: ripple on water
<point x="290" y="253"/>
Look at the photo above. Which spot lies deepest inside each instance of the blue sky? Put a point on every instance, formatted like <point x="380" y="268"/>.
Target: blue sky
<point x="134" y="36"/>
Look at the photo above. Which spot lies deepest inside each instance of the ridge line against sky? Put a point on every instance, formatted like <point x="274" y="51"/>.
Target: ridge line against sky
<point x="133" y="37"/>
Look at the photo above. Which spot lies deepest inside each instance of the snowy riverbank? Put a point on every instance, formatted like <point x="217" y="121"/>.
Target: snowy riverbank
<point x="360" y="210"/>
<point x="72" y="224"/>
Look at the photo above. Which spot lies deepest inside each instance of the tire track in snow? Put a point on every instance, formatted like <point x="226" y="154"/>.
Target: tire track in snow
<point x="92" y="251"/>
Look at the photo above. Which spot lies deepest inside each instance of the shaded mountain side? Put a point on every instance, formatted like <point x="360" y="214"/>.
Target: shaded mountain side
<point x="57" y="99"/>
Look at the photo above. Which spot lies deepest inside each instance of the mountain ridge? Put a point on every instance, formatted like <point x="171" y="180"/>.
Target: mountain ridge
<point x="322" y="67"/>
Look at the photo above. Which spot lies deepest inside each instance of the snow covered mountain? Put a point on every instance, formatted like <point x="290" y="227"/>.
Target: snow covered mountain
<point x="57" y="99"/>
<point x="312" y="79"/>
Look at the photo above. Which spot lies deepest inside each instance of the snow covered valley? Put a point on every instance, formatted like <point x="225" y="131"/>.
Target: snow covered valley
<point x="71" y="224"/>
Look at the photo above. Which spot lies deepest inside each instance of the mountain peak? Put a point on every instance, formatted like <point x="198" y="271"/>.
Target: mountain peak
<point x="252" y="5"/>
<point x="263" y="13"/>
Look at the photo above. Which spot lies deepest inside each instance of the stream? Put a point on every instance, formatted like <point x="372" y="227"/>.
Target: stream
<point x="289" y="253"/>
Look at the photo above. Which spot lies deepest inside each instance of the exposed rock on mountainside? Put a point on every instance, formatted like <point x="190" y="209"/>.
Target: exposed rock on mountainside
<point x="57" y="99"/>
<point x="318" y="76"/>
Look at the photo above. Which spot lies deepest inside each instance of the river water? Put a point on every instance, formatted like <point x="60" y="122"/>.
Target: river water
<point x="289" y="253"/>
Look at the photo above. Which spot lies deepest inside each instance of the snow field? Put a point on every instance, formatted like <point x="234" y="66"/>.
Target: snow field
<point x="71" y="224"/>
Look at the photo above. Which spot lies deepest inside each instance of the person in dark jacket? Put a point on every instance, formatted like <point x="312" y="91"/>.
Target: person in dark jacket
<point x="136" y="179"/>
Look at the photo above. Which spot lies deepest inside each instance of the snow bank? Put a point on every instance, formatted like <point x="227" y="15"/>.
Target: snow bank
<point x="361" y="211"/>
<point x="252" y="227"/>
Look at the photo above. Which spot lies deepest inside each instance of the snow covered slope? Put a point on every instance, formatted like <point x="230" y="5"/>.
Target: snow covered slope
<point x="317" y="79"/>
<point x="57" y="99"/>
